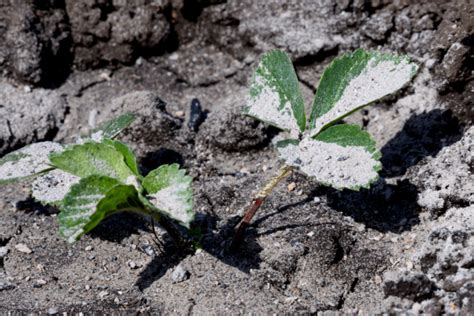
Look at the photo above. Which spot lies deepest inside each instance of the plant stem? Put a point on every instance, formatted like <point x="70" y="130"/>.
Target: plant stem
<point x="257" y="202"/>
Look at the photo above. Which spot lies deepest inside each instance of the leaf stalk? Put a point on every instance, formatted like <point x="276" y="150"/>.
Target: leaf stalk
<point x="257" y="202"/>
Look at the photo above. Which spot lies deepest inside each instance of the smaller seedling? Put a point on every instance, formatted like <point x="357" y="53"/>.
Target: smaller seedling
<point x="342" y="155"/>
<point x="98" y="177"/>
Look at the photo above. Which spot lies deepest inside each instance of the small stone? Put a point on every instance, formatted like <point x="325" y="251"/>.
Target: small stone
<point x="87" y="287"/>
<point x="3" y="251"/>
<point x="409" y="265"/>
<point x="416" y="308"/>
<point x="179" y="274"/>
<point x="23" y="248"/>
<point x="39" y="283"/>
<point x="291" y="186"/>
<point x="317" y="200"/>
<point x="52" y="311"/>
<point x="103" y="294"/>
<point x="132" y="264"/>
<point x="116" y="300"/>
<point x="179" y="114"/>
<point x="378" y="279"/>
<point x="88" y="248"/>
<point x="310" y="234"/>
<point x="149" y="250"/>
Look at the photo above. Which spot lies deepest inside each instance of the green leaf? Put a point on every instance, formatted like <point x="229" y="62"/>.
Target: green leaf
<point x="349" y="135"/>
<point x="92" y="159"/>
<point x="26" y="162"/>
<point x="81" y="203"/>
<point x="170" y="191"/>
<point x="112" y="128"/>
<point x="355" y="80"/>
<point x="90" y="201"/>
<point x="127" y="153"/>
<point x="342" y="156"/>
<point x="51" y="187"/>
<point x="275" y="96"/>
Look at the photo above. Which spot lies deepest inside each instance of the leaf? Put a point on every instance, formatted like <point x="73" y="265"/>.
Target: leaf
<point x="275" y="96"/>
<point x="112" y="128"/>
<point x="127" y="153"/>
<point x="90" y="201"/>
<point x="52" y="187"/>
<point x="342" y="156"/>
<point x="92" y="159"/>
<point x="28" y="161"/>
<point x="170" y="191"/>
<point x="349" y="135"/>
<point x="353" y="81"/>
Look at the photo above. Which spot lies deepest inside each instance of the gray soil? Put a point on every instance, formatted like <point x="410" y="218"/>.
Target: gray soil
<point x="404" y="246"/>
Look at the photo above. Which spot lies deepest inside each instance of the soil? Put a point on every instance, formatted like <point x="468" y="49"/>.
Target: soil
<point x="406" y="245"/>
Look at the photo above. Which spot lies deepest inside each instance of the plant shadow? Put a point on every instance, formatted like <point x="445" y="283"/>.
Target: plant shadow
<point x="214" y="242"/>
<point x="422" y="135"/>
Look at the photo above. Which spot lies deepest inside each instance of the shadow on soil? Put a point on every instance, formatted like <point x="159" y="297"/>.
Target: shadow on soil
<point x="217" y="244"/>
<point x="422" y="135"/>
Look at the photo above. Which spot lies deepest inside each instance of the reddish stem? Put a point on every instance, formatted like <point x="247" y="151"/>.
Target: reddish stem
<point x="245" y="221"/>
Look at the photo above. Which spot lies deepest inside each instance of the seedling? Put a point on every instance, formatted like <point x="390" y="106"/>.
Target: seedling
<point x="98" y="177"/>
<point x="342" y="155"/>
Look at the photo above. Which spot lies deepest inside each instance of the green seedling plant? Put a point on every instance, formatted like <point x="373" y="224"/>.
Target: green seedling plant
<point x="342" y="156"/>
<point x="97" y="177"/>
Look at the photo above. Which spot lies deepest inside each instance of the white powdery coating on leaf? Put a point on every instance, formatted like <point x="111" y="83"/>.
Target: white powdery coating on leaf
<point x="266" y="104"/>
<point x="332" y="164"/>
<point x="34" y="160"/>
<point x="53" y="186"/>
<point x="174" y="201"/>
<point x="132" y="180"/>
<point x="378" y="79"/>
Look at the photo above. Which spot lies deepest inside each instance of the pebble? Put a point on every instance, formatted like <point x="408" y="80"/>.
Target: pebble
<point x="149" y="250"/>
<point x="23" y="248"/>
<point x="409" y="265"/>
<point x="88" y="248"/>
<point x="179" y="274"/>
<point x="52" y="311"/>
<point x="317" y="200"/>
<point x="416" y="308"/>
<point x="103" y="294"/>
<point x="310" y="234"/>
<point x="132" y="264"/>
<point x="39" y="283"/>
<point x="3" y="251"/>
<point x="291" y="186"/>
<point x="179" y="114"/>
<point x="378" y="279"/>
